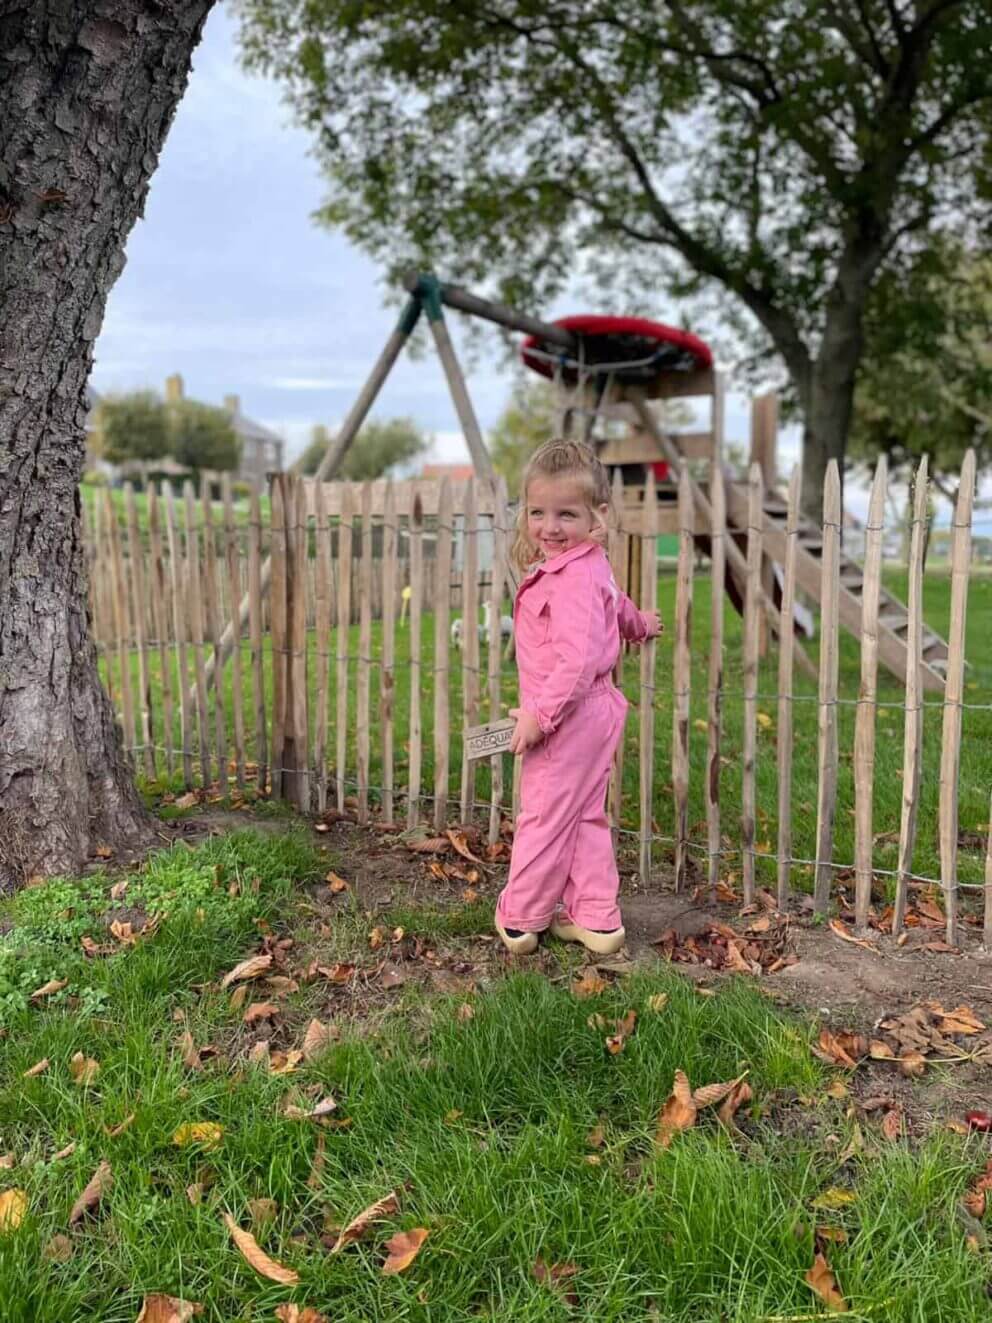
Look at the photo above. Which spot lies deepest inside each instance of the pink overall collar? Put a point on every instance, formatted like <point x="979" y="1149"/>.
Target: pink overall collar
<point x="559" y="562"/>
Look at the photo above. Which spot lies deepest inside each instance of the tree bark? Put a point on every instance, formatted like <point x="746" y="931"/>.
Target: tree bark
<point x="88" y="90"/>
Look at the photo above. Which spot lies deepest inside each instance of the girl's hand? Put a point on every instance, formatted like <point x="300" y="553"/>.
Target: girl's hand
<point x="526" y="733"/>
<point x="652" y="621"/>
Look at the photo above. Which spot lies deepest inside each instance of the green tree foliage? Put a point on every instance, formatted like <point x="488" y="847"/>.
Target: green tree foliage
<point x="381" y="446"/>
<point x="780" y="154"/>
<point x="131" y="426"/>
<point x="926" y="385"/>
<point x="141" y="426"/>
<point x="202" y="437"/>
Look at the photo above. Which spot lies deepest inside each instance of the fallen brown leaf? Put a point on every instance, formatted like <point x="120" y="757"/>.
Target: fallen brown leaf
<point x="294" y="1314"/>
<point x="318" y="1038"/>
<point x="284" y="1063"/>
<point x="658" y="1002"/>
<point x="336" y="884"/>
<point x="340" y="973"/>
<point x="167" y="1309"/>
<point x="208" y="1134"/>
<point x="842" y="1048"/>
<point x="734" y="1101"/>
<point x="820" y="1279"/>
<point x="50" y="988"/>
<point x="117" y="1130"/>
<point x="844" y="933"/>
<point x="260" y="1010"/>
<point x="103" y="852"/>
<point x="391" y="978"/>
<point x="262" y="1211"/>
<point x="596" y="1136"/>
<point x="38" y="1068"/>
<point x="123" y="933"/>
<point x="84" y="1070"/>
<point x="13" y="1206"/>
<point x="403" y="1248"/>
<point x="58" y="1250"/>
<point x="256" y="1256"/>
<point x="961" y="1020"/>
<point x="624" y="1028"/>
<point x="466" y="1011"/>
<point x="678" y="1113"/>
<point x="66" y="1152"/>
<point x="913" y="1065"/>
<point x="557" y="1275"/>
<point x="892" y="1124"/>
<point x="459" y="840"/>
<point x="589" y="985"/>
<point x="317" y="1166"/>
<point x="99" y="1183"/>
<point x="281" y="984"/>
<point x="358" y="1226"/>
<point x="249" y="969"/>
<point x="429" y="845"/>
<point x="297" y="1113"/>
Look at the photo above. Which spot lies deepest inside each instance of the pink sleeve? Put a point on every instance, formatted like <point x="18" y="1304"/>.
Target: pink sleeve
<point x="574" y="611"/>
<point x="630" y="620"/>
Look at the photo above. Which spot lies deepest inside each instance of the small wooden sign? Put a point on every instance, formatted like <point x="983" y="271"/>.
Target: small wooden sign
<point x="484" y="741"/>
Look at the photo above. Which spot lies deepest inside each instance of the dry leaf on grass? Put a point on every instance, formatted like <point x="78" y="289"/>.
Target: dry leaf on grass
<point x="358" y="1226"/>
<point x="336" y="884"/>
<point x="658" y="1002"/>
<point x="318" y="1038"/>
<point x="892" y="1124"/>
<point x="249" y="969"/>
<point x="820" y="1279"/>
<point x="678" y="1113"/>
<point x="317" y="1165"/>
<point x="624" y="1028"/>
<point x="960" y="1020"/>
<point x="116" y="1130"/>
<point x="84" y="1070"/>
<point x="339" y="973"/>
<point x="13" y="1206"/>
<point x="38" y="1068"/>
<point x="298" y="1314"/>
<point x="50" y="988"/>
<point x="834" y="1198"/>
<point x="557" y="1276"/>
<point x="282" y="985"/>
<point x="912" y="1065"/>
<point x="7" y="1161"/>
<point x="403" y="1248"/>
<point x="596" y="1136"/>
<point x="207" y="1134"/>
<point x="262" y="1211"/>
<point x="976" y="1199"/>
<point x="193" y="1056"/>
<point x="284" y="1063"/>
<point x="260" y="1010"/>
<point x="734" y="1101"/>
<point x="297" y="1113"/>
<point x="118" y="889"/>
<point x="256" y="1256"/>
<point x="58" y="1250"/>
<point x="589" y="985"/>
<point x="66" y="1152"/>
<point x="168" y="1309"/>
<point x="710" y="1094"/>
<point x="429" y="845"/>
<point x="391" y="978"/>
<point x="99" y="1184"/>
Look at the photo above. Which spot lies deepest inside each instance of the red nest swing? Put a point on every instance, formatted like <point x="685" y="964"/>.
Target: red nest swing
<point x="629" y="350"/>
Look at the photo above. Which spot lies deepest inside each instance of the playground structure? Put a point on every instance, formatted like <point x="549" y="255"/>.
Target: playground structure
<point x="608" y="371"/>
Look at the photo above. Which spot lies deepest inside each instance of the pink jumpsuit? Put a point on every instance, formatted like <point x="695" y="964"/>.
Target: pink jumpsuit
<point x="568" y="619"/>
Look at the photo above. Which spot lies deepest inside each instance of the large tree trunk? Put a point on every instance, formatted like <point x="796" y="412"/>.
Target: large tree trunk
<point x="88" y="89"/>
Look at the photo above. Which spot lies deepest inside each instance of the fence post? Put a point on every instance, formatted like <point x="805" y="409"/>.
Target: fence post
<point x="363" y="689"/>
<point x="278" y="601"/>
<point x="387" y="680"/>
<point x="826" y="798"/>
<point x="213" y="628"/>
<point x="442" y="645"/>
<point x="139" y="598"/>
<point x="649" y="602"/>
<point x="913" y="718"/>
<point x="470" y="638"/>
<point x="864" y="727"/>
<point x="322" y="625"/>
<point x="752" y="645"/>
<point x="297" y="757"/>
<point x="618" y="558"/>
<point x="785" y="681"/>
<point x="179" y="628"/>
<point x="682" y="675"/>
<point x="987" y="925"/>
<point x="416" y="661"/>
<point x="950" y="746"/>
<point x="345" y="540"/>
<point x="257" y="638"/>
<point x="121" y="624"/>
<point x="718" y="560"/>
<point x="196" y="629"/>
<point x="500" y="535"/>
<point x="160" y="612"/>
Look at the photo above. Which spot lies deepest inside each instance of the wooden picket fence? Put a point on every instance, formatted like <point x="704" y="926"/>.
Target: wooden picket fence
<point x="299" y="711"/>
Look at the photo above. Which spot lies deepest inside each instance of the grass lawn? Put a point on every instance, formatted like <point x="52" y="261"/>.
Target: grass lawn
<point x="480" y="1119"/>
<point x="976" y="765"/>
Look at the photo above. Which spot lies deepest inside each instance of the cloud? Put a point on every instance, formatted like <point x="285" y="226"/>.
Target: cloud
<point x="307" y="383"/>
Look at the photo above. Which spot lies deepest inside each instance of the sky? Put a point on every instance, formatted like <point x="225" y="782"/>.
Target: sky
<point x="230" y="283"/>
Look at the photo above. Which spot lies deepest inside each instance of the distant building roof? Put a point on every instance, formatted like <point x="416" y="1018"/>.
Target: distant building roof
<point x="457" y="472"/>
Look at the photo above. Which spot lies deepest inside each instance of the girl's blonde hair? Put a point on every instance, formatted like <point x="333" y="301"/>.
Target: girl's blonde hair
<point x="558" y="459"/>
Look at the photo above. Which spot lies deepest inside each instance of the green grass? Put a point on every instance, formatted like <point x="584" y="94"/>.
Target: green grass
<point x="481" y="1124"/>
<point x="976" y="763"/>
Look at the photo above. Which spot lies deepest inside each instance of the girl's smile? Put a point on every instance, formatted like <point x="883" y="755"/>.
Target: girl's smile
<point x="558" y="515"/>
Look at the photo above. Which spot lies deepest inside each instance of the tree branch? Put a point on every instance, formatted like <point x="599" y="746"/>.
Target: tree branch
<point x="870" y="54"/>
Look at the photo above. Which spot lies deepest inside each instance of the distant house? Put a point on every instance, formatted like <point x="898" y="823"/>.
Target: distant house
<point x="261" y="449"/>
<point x="456" y="472"/>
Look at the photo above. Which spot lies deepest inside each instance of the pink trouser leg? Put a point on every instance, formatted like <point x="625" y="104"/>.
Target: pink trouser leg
<point x="562" y="816"/>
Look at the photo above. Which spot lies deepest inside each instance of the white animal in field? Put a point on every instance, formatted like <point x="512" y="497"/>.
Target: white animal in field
<point x="458" y="627"/>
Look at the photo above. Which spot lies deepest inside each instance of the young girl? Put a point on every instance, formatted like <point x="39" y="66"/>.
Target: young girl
<point x="569" y="617"/>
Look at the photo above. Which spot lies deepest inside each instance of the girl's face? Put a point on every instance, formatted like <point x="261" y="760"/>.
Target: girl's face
<point x="558" y="514"/>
